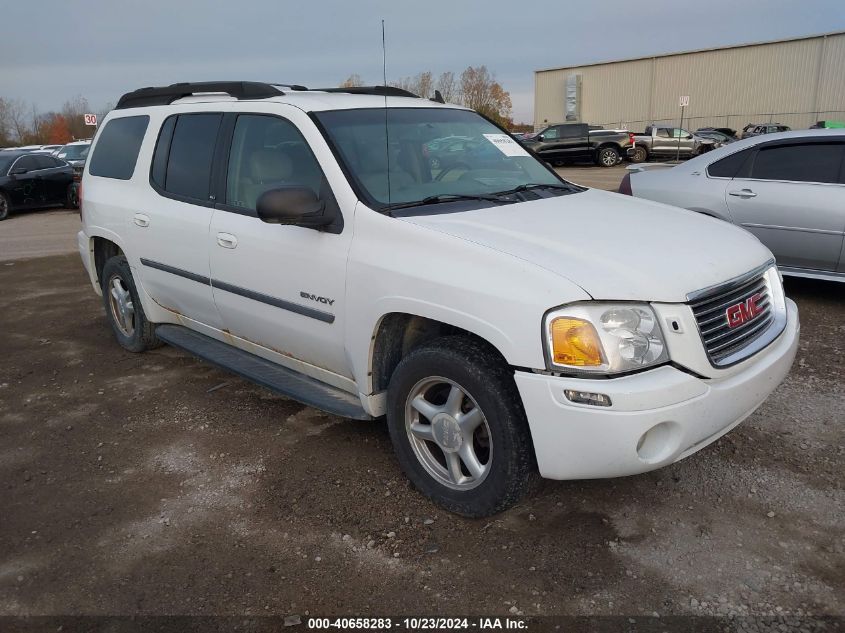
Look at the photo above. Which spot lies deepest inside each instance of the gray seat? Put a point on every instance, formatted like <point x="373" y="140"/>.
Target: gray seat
<point x="266" y="169"/>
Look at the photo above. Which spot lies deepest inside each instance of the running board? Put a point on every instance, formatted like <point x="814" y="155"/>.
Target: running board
<point x="265" y="373"/>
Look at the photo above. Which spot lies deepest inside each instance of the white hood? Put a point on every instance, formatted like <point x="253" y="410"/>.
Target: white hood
<point x="615" y="247"/>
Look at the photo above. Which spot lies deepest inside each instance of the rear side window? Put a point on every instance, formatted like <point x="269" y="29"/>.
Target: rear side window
<point x="47" y="162"/>
<point x="811" y="162"/>
<point x="27" y="162"/>
<point x="184" y="154"/>
<point x="730" y="166"/>
<point x="573" y="131"/>
<point x="118" y="146"/>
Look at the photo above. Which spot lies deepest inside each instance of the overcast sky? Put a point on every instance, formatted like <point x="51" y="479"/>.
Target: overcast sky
<point x="52" y="50"/>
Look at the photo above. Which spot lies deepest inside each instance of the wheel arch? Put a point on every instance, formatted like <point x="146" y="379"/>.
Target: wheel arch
<point x="398" y="333"/>
<point x="102" y="249"/>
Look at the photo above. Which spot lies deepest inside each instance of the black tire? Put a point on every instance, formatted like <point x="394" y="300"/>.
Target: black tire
<point x="483" y="375"/>
<point x="72" y="198"/>
<point x="608" y="156"/>
<point x="5" y="206"/>
<point x="640" y="155"/>
<point x="142" y="335"/>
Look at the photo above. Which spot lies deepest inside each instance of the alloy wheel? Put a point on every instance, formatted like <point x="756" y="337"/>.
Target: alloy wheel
<point x="122" y="308"/>
<point x="448" y="433"/>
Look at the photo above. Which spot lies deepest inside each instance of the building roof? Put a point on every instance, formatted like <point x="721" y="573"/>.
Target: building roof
<point x="698" y="50"/>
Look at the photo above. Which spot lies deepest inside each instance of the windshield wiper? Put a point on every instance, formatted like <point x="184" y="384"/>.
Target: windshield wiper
<point x="449" y="197"/>
<point x="532" y="185"/>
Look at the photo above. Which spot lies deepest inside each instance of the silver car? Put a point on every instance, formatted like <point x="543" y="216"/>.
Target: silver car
<point x="788" y="189"/>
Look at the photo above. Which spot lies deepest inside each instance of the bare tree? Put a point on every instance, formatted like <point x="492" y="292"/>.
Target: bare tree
<point x="481" y="92"/>
<point x="36" y="135"/>
<point x="421" y="84"/>
<point x="425" y="85"/>
<point x="5" y="127"/>
<point x="448" y="87"/>
<point x="16" y="117"/>
<point x="74" y="111"/>
<point x="352" y="81"/>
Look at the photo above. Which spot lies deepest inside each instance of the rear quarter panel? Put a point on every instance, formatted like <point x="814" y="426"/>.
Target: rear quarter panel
<point x="688" y="189"/>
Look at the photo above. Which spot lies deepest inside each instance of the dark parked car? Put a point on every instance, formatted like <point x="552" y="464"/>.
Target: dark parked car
<point x="756" y="129"/>
<point x="31" y="181"/>
<point x="570" y="142"/>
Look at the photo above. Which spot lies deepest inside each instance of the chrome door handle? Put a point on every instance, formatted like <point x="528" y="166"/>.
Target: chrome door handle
<point x="227" y="240"/>
<point x="743" y="193"/>
<point x="141" y="220"/>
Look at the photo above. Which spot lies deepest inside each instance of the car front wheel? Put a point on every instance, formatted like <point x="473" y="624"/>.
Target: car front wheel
<point x="5" y="206"/>
<point x="458" y="427"/>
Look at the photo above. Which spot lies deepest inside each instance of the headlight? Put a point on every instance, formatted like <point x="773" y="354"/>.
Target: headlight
<point x="604" y="337"/>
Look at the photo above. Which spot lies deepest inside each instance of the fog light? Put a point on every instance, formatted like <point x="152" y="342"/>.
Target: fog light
<point x="587" y="397"/>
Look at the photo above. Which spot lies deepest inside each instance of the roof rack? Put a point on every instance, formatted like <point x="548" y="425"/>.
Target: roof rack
<point x="297" y="87"/>
<point x="381" y="91"/>
<point x="164" y="95"/>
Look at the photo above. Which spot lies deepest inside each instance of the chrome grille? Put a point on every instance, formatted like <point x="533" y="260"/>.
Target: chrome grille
<point x="724" y="343"/>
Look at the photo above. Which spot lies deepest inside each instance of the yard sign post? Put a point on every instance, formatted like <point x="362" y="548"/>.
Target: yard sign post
<point x="684" y="102"/>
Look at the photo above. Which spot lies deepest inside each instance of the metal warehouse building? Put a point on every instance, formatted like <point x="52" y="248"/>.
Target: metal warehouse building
<point x="795" y="82"/>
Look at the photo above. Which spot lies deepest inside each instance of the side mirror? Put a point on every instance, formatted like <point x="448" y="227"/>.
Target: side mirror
<point x="18" y="171"/>
<point x="293" y="205"/>
<point x="539" y="137"/>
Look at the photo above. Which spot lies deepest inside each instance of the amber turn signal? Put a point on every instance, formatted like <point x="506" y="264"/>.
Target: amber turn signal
<point x="575" y="342"/>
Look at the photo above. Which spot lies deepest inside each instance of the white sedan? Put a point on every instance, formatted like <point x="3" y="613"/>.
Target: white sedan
<point x="788" y="189"/>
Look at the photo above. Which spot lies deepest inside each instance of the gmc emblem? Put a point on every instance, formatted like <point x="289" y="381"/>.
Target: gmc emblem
<point x="743" y="312"/>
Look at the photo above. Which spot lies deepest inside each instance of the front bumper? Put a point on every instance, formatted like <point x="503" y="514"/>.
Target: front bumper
<point x="657" y="417"/>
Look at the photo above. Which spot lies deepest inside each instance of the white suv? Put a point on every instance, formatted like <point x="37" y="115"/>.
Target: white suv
<point x="503" y="320"/>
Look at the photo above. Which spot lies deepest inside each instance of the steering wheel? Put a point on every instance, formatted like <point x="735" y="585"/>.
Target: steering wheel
<point x="446" y="170"/>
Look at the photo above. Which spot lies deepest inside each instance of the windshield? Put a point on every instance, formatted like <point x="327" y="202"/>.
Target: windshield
<point x="74" y="152"/>
<point x="435" y="155"/>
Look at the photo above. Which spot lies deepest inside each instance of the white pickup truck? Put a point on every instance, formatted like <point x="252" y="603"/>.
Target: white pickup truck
<point x="506" y="322"/>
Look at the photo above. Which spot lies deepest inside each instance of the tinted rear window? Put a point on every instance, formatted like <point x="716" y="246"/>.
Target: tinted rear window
<point x="118" y="147"/>
<point x="188" y="171"/>
<point x="729" y="166"/>
<point x="46" y="162"/>
<point x="811" y="162"/>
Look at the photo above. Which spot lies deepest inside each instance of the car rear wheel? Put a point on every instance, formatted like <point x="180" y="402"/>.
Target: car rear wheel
<point x="639" y="155"/>
<point x="123" y="307"/>
<point x="608" y="156"/>
<point x="5" y="206"/>
<point x="72" y="198"/>
<point x="458" y="427"/>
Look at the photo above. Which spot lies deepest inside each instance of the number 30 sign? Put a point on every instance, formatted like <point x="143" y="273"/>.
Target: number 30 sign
<point x="91" y="119"/>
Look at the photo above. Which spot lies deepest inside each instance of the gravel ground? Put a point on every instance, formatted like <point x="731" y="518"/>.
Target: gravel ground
<point x="155" y="484"/>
